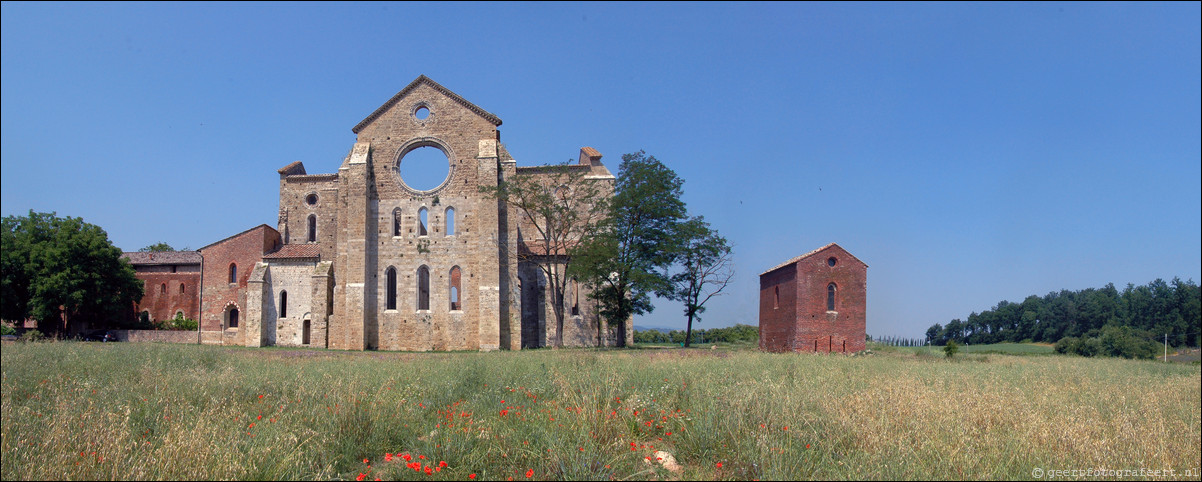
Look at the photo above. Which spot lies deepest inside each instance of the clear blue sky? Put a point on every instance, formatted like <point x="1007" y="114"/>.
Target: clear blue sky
<point x="969" y="153"/>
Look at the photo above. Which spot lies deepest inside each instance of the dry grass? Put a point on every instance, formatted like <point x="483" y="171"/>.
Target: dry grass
<point x="129" y="411"/>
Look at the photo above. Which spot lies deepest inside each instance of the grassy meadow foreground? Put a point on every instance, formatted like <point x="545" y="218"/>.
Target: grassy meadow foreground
<point x="148" y="411"/>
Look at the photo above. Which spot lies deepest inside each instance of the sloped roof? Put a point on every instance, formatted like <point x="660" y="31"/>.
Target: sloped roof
<point x="422" y="79"/>
<point x="811" y="253"/>
<point x="163" y="257"/>
<point x="296" y="251"/>
<point x="202" y="248"/>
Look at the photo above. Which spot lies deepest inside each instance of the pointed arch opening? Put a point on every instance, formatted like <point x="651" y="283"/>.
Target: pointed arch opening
<point x="830" y="296"/>
<point x="423" y="288"/>
<point x="390" y="276"/>
<point x="284" y="304"/>
<point x="422" y="221"/>
<point x="450" y="221"/>
<point x="312" y="228"/>
<point x="396" y="222"/>
<point x="455" y="290"/>
<point x="233" y="273"/>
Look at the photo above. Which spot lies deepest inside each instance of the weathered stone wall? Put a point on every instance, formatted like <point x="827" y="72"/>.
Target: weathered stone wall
<point x="296" y="192"/>
<point x="159" y="336"/>
<point x="295" y="277"/>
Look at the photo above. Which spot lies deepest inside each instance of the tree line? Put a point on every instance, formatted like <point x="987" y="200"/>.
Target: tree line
<point x="730" y="334"/>
<point x="1112" y="317"/>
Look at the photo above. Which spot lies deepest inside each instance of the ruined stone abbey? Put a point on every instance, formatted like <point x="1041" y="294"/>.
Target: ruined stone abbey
<point x="360" y="260"/>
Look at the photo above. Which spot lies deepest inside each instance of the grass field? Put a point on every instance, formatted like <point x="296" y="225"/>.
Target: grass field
<point x="147" y="411"/>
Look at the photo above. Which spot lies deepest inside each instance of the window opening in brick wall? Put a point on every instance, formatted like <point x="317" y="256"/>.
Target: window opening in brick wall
<point x="422" y="215"/>
<point x="181" y="288"/>
<point x="396" y="222"/>
<point x="423" y="288"/>
<point x="305" y="332"/>
<point x="311" y="199"/>
<point x="830" y="297"/>
<point x="455" y="291"/>
<point x="775" y="297"/>
<point x="284" y="304"/>
<point x="390" y="276"/>
<point x="450" y="221"/>
<point x="312" y="228"/>
<point x="163" y="289"/>
<point x="233" y="273"/>
<point x="831" y="261"/>
<point x="173" y="268"/>
<point x="231" y="317"/>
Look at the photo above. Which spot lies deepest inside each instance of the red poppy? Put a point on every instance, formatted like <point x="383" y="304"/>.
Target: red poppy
<point x="529" y="473"/>
<point x="407" y="457"/>
<point x="471" y="476"/>
<point x="361" y="476"/>
<point x="719" y="465"/>
<point x="429" y="471"/>
<point x="365" y="461"/>
<point x="503" y="413"/>
<point x="442" y="463"/>
<point x="388" y="457"/>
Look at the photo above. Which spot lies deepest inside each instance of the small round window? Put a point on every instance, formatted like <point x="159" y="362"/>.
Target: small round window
<point x="422" y="113"/>
<point x="831" y="261"/>
<point x="311" y="199"/>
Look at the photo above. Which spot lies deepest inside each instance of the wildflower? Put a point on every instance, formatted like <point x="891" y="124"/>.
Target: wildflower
<point x="407" y="457"/>
<point x="423" y="457"/>
<point x="429" y="471"/>
<point x="260" y="417"/>
<point x="442" y="463"/>
<point x="471" y="476"/>
<point x="529" y="473"/>
<point x="786" y="428"/>
<point x="361" y="476"/>
<point x="388" y="457"/>
<point x="504" y="412"/>
<point x="719" y="465"/>
<point x="365" y="461"/>
<point x="807" y="446"/>
<point x="260" y="396"/>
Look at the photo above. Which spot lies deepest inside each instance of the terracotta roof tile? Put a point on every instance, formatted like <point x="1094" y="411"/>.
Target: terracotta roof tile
<point x="296" y="251"/>
<point x="162" y="257"/>
<point x="811" y="253"/>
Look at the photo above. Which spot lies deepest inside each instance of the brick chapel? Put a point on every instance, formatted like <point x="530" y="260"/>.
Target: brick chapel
<point x="815" y="303"/>
<point x="360" y="260"/>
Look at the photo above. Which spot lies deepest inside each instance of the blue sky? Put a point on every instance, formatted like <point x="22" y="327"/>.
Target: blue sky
<point x="969" y="153"/>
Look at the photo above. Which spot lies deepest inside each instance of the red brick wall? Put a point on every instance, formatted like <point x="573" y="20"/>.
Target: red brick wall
<point x="244" y="250"/>
<point x="814" y="327"/>
<point x="162" y="305"/>
<point x="778" y="308"/>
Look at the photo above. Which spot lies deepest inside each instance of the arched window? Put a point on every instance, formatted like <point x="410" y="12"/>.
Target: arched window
<point x="390" y="274"/>
<point x="181" y="288"/>
<point x="231" y="317"/>
<point x="775" y="297"/>
<point x="396" y="222"/>
<point x="284" y="304"/>
<point x="312" y="228"/>
<point x="830" y="297"/>
<point x="422" y="221"/>
<point x="450" y="221"/>
<point x="455" y="290"/>
<point x="575" y="297"/>
<point x="233" y="273"/>
<point x="163" y="289"/>
<point x="423" y="288"/>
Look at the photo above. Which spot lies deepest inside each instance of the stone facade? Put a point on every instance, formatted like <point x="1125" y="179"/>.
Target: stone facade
<point x="361" y="260"/>
<point x="814" y="303"/>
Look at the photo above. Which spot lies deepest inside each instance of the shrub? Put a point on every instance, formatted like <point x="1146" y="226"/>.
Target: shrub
<point x="179" y="323"/>
<point x="32" y="336"/>
<point x="7" y="330"/>
<point x="1066" y="345"/>
<point x="950" y="349"/>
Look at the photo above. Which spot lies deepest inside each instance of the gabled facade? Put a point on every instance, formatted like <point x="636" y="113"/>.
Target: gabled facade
<point x="368" y="261"/>
<point x="815" y="302"/>
<point x="171" y="283"/>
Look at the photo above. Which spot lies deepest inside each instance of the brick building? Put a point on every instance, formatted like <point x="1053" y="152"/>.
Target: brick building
<point x="814" y="303"/>
<point x="360" y="259"/>
<point x="171" y="283"/>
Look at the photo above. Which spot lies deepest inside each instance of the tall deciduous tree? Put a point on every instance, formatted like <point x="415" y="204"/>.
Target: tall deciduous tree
<point x="65" y="273"/>
<point x="704" y="269"/>
<point x="627" y="261"/>
<point x="562" y="209"/>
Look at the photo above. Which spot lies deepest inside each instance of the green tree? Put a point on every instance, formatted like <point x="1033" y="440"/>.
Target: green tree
<point x="65" y="273"/>
<point x="628" y="260"/>
<point x="704" y="269"/>
<point x="565" y="209"/>
<point x="950" y="349"/>
<point x="158" y="247"/>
